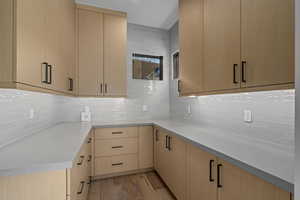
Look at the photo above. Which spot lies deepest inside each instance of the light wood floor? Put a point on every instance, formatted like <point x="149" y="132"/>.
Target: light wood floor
<point x="146" y="186"/>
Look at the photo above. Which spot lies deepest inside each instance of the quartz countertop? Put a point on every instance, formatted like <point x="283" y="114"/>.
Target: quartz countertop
<point x="56" y="148"/>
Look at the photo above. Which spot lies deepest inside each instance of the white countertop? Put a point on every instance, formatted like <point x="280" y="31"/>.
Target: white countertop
<point x="56" y="148"/>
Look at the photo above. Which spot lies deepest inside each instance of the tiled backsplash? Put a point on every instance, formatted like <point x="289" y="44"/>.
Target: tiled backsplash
<point x="14" y="113"/>
<point x="274" y="111"/>
<point x="153" y="94"/>
<point x="51" y="109"/>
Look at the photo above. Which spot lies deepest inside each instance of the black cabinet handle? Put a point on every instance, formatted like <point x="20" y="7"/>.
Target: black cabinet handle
<point x="117" y="147"/>
<point x="81" y="160"/>
<point x="166" y="144"/>
<point x="234" y="73"/>
<point x="90" y="180"/>
<point x="81" y="188"/>
<point x="219" y="175"/>
<point x="90" y="158"/>
<point x="89" y="140"/>
<point x="117" y="133"/>
<point x="105" y="88"/>
<point x="101" y="88"/>
<point x="178" y="86"/>
<point x="169" y="143"/>
<point x="49" y="69"/>
<point x="45" y="70"/>
<point x="71" y="84"/>
<point x="211" y="163"/>
<point x="244" y="63"/>
<point x="156" y="135"/>
<point x="117" y="164"/>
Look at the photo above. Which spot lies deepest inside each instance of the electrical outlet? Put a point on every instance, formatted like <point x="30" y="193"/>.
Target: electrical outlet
<point x="248" y="116"/>
<point x="145" y="108"/>
<point x="189" y="109"/>
<point x="31" y="113"/>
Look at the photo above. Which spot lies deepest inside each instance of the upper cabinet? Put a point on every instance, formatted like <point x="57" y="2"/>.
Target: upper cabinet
<point x="240" y="45"/>
<point x="38" y="45"/>
<point x="102" y="52"/>
<point x="267" y="42"/>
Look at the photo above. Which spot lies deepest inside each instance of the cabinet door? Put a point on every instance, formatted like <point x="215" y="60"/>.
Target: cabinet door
<point x="191" y="29"/>
<point x="177" y="160"/>
<point x="268" y="42"/>
<point x="145" y="147"/>
<point x="254" y="188"/>
<point x="66" y="46"/>
<point x="201" y="175"/>
<point x="60" y="41"/>
<point x="162" y="156"/>
<point x="90" y="52"/>
<point x="115" y="55"/>
<point x="222" y="44"/>
<point x="31" y="41"/>
<point x="230" y="181"/>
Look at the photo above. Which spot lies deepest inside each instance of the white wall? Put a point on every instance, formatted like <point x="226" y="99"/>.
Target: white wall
<point x="51" y="109"/>
<point x="274" y="111"/>
<point x="297" y="168"/>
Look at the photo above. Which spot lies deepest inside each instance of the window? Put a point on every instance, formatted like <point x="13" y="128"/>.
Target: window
<point x="175" y="61"/>
<point x="147" y="67"/>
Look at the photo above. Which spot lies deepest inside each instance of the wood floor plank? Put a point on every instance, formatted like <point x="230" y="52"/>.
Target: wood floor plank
<point x="133" y="187"/>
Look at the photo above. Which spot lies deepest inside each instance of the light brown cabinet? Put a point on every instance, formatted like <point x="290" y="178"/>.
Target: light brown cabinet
<point x="102" y="52"/>
<point x="171" y="155"/>
<point x="191" y="37"/>
<point x="210" y="177"/>
<point x="39" y="45"/>
<point x="236" y="46"/>
<point x="122" y="150"/>
<point x="66" y="184"/>
<point x="146" y="147"/>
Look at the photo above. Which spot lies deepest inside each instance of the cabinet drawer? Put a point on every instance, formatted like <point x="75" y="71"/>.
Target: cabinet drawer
<point x="114" y="147"/>
<point x="114" y="164"/>
<point x="111" y="133"/>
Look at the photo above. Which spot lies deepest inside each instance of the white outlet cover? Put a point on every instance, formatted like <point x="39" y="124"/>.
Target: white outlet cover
<point x="189" y="109"/>
<point x="145" y="108"/>
<point x="31" y="113"/>
<point x="248" y="116"/>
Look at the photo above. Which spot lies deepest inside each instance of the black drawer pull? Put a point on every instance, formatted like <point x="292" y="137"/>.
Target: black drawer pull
<point x="81" y="160"/>
<point x="117" y="164"/>
<point x="117" y="147"/>
<point x="219" y="175"/>
<point x="117" y="133"/>
<point x="81" y="188"/>
<point x="211" y="163"/>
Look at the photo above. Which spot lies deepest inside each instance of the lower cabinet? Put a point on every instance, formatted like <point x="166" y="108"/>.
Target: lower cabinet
<point x="122" y="150"/>
<point x="67" y="184"/>
<point x="170" y="159"/>
<point x="212" y="178"/>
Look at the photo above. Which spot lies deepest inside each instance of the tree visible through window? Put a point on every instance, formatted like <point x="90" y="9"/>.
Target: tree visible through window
<point x="175" y="58"/>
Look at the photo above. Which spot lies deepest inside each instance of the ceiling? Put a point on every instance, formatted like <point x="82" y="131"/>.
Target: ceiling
<point x="154" y="13"/>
